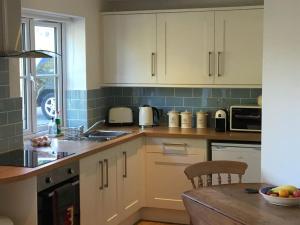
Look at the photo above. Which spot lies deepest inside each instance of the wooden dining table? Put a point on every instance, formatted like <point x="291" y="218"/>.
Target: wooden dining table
<point x="231" y="205"/>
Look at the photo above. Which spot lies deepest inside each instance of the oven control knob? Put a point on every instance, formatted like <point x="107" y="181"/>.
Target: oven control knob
<point x="71" y="171"/>
<point x="49" y="180"/>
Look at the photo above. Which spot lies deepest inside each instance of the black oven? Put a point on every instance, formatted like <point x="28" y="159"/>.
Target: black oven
<point x="58" y="196"/>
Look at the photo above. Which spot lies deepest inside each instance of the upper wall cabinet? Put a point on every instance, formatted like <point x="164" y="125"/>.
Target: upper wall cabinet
<point x="211" y="48"/>
<point x="185" y="44"/>
<point x="238" y="47"/>
<point x="129" y="48"/>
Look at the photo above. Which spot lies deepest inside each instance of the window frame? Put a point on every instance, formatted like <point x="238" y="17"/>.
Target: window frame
<point x="31" y="76"/>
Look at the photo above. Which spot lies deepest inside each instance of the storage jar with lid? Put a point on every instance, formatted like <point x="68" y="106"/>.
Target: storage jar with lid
<point x="173" y="119"/>
<point x="186" y="119"/>
<point x="201" y="119"/>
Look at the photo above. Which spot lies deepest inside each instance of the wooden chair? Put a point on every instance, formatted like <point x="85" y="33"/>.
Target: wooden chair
<point x="207" y="169"/>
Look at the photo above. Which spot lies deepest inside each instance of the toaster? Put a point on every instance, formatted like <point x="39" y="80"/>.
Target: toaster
<point x="120" y="116"/>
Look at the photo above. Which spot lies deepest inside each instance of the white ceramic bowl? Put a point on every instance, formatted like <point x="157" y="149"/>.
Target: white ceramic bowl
<point x="278" y="200"/>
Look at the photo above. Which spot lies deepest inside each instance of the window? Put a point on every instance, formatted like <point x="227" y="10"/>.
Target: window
<point x="41" y="79"/>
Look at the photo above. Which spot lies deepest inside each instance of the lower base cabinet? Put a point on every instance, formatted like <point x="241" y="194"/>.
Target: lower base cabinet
<point x="166" y="160"/>
<point x="109" y="190"/>
<point x="116" y="183"/>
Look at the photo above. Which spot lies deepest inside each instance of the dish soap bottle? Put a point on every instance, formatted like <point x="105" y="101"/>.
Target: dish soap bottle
<point x="58" y="124"/>
<point x="51" y="127"/>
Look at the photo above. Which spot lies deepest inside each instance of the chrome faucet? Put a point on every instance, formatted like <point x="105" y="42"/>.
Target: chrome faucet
<point x="95" y="125"/>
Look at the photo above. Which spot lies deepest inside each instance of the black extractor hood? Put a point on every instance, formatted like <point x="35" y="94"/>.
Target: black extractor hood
<point x="10" y="33"/>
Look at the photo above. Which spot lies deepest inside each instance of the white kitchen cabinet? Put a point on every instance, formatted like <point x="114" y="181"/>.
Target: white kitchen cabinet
<point x="98" y="189"/>
<point x="129" y="48"/>
<point x="130" y="176"/>
<point x="213" y="48"/>
<point x="185" y="46"/>
<point x="110" y="212"/>
<point x="238" y="47"/>
<point x="109" y="190"/>
<point x="166" y="159"/>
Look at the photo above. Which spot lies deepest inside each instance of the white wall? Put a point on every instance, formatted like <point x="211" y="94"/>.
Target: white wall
<point x="281" y="93"/>
<point x="90" y="10"/>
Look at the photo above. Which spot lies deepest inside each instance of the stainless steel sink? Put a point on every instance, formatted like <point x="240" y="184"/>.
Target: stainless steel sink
<point x="105" y="135"/>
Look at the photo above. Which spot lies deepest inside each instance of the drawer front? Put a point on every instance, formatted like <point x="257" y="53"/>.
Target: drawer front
<point x="177" y="146"/>
<point x="166" y="180"/>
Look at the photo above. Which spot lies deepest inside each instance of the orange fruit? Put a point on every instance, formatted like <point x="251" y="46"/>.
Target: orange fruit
<point x="283" y="193"/>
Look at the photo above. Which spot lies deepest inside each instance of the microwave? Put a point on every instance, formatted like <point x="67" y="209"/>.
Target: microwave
<point x="245" y="118"/>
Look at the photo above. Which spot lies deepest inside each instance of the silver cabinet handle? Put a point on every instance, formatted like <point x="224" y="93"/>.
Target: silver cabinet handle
<point x="106" y="165"/>
<point x="125" y="164"/>
<point x="177" y="145"/>
<point x="101" y="173"/>
<point x="153" y="64"/>
<point x="219" y="64"/>
<point x="209" y="64"/>
<point x="179" y="148"/>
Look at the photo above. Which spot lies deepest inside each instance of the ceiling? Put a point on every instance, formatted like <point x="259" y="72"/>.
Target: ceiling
<point x="124" y="5"/>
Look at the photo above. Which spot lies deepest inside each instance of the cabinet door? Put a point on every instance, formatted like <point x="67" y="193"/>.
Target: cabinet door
<point x="129" y="48"/>
<point x="90" y="193"/>
<point x="239" y="47"/>
<point x="130" y="176"/>
<point x="109" y="200"/>
<point x="166" y="180"/>
<point x="185" y="45"/>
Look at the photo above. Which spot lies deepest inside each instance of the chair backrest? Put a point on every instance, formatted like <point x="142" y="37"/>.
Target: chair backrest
<point x="218" y="167"/>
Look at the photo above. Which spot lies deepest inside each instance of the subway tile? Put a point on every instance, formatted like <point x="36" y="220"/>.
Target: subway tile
<point x="150" y="91"/>
<point x="248" y="101"/>
<point x="174" y="101"/>
<point x="3" y="118"/>
<point x="184" y="109"/>
<point x="7" y="131"/>
<point x="4" y="78"/>
<point x="100" y="102"/>
<point x="4" y="91"/>
<point x="4" y="64"/>
<point x="202" y="92"/>
<point x="255" y="92"/>
<point x="152" y="101"/>
<point x="192" y="102"/>
<point x="110" y="101"/>
<point x="221" y="92"/>
<point x="127" y="91"/>
<point x="124" y="101"/>
<point x="210" y="102"/>
<point x="183" y="92"/>
<point x="15" y="142"/>
<point x="240" y="93"/>
<point x="116" y="91"/>
<point x="137" y="91"/>
<point x="14" y="116"/>
<point x="4" y="145"/>
<point x="19" y="128"/>
<point x="91" y="103"/>
<point x="227" y="102"/>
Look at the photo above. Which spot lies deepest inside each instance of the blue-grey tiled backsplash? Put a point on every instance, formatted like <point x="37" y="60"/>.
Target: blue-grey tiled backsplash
<point x="11" y="125"/>
<point x="180" y="99"/>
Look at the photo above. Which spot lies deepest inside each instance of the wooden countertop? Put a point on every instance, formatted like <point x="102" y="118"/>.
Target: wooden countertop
<point x="231" y="202"/>
<point x="86" y="148"/>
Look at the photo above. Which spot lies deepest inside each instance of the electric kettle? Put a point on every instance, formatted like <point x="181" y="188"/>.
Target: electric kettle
<point x="148" y="116"/>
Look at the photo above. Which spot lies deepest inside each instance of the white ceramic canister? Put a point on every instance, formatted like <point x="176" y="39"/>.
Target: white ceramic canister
<point x="201" y="119"/>
<point x="186" y="119"/>
<point x="173" y="119"/>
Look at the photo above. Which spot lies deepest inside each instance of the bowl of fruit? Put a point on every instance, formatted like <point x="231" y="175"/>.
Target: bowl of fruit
<point x="285" y="195"/>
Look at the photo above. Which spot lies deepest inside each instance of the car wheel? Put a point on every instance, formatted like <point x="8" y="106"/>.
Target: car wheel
<point x="49" y="105"/>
